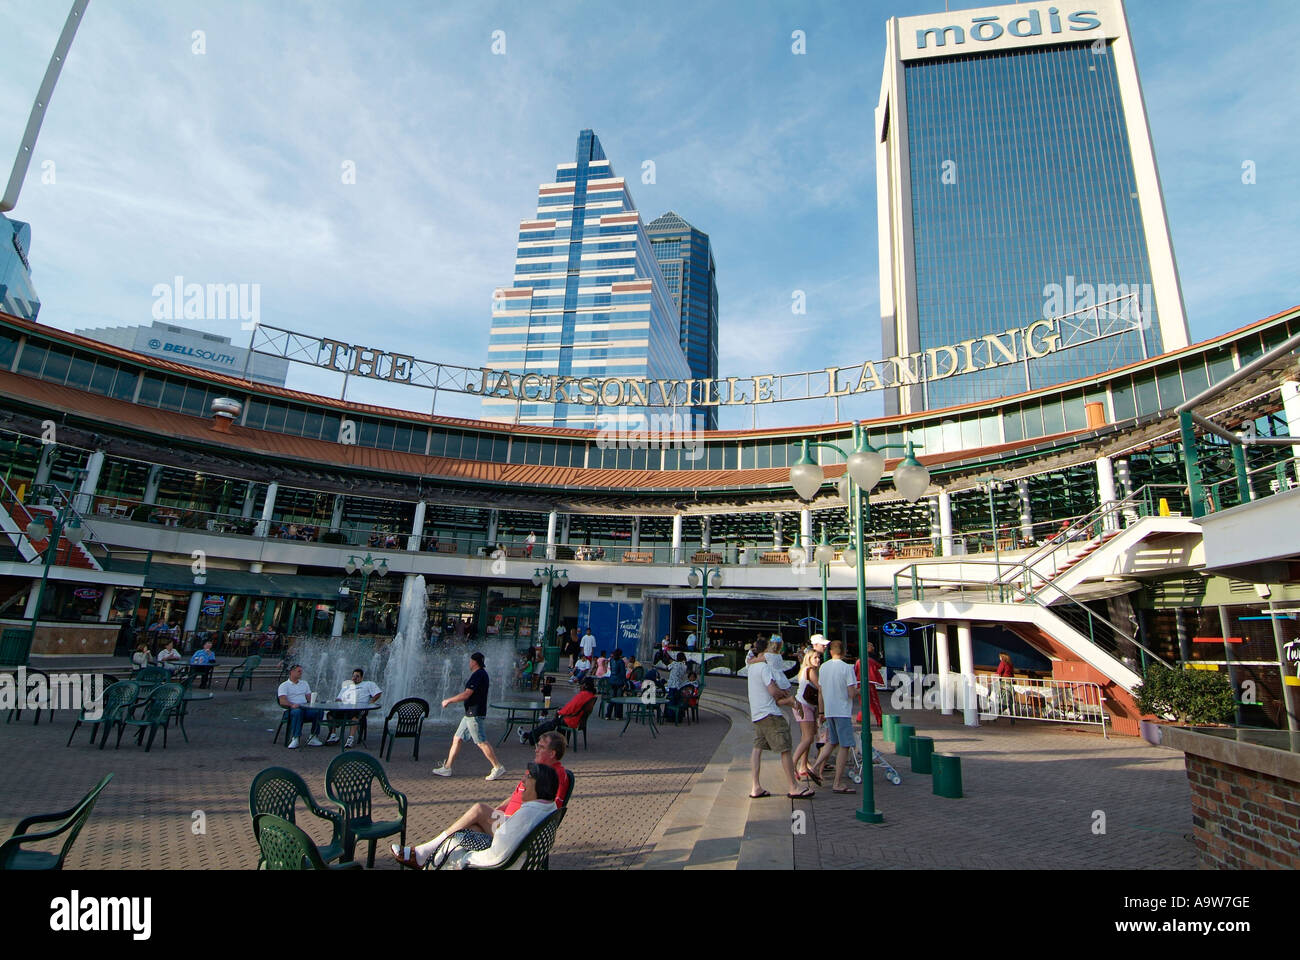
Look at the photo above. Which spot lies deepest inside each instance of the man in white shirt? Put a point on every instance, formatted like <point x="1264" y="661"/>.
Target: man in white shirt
<point x="839" y="687"/>
<point x="293" y="695"/>
<point x="588" y="644"/>
<point x="771" y="729"/>
<point x="356" y="690"/>
<point x="691" y="640"/>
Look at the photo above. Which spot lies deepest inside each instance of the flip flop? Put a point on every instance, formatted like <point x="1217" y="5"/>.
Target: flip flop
<point x="759" y="796"/>
<point x="814" y="778"/>
<point x="804" y="795"/>
<point x="843" y="790"/>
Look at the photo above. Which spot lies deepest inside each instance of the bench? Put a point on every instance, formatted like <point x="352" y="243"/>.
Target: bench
<point x="443" y="547"/>
<point x="631" y="556"/>
<point x="774" y="557"/>
<point x="703" y="556"/>
<point x="515" y="552"/>
<point x="914" y="550"/>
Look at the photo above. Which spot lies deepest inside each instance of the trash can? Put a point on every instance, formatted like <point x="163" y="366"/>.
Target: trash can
<point x="922" y="751"/>
<point x="552" y="656"/>
<point x="903" y="733"/>
<point x="947" y="775"/>
<point x="888" y="722"/>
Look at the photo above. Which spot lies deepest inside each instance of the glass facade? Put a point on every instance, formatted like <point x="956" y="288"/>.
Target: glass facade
<point x="1024" y="205"/>
<point x="686" y="258"/>
<point x="17" y="295"/>
<point x="588" y="300"/>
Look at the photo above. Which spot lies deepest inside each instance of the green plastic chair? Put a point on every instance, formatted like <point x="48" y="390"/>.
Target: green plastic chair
<point x="348" y="782"/>
<point x="536" y="848"/>
<point x="150" y="678"/>
<point x="284" y="846"/>
<point x="245" y="671"/>
<point x="116" y="700"/>
<point x="35" y="678"/>
<point x="571" y="733"/>
<point x="277" y="790"/>
<point x="14" y="857"/>
<point x="157" y="709"/>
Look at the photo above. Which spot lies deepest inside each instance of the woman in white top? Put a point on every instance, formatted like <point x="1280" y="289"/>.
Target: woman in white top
<point x="805" y="711"/>
<point x="167" y="655"/>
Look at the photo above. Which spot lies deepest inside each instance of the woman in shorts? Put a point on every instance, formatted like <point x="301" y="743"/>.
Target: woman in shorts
<point x="805" y="713"/>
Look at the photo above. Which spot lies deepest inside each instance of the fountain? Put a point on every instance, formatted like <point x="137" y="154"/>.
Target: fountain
<point x="409" y="665"/>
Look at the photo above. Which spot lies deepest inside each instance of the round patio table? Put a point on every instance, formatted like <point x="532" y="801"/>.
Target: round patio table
<point x="356" y="712"/>
<point x="638" y="710"/>
<point x="519" y="713"/>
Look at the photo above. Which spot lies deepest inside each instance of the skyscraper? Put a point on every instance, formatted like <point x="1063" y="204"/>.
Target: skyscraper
<point x="17" y="295"/>
<point x="588" y="299"/>
<point x="1016" y="180"/>
<point x="686" y="258"/>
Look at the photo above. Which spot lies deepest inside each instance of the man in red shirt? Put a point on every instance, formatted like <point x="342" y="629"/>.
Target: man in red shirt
<point x="570" y="714"/>
<point x="483" y="819"/>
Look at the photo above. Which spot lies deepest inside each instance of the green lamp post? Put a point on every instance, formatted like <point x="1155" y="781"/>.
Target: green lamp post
<point x="369" y="565"/>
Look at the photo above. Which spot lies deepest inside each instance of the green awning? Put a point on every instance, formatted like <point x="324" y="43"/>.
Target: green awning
<point x="169" y="576"/>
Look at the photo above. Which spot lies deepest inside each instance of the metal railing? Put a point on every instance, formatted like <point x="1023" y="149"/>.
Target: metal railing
<point x="1055" y="701"/>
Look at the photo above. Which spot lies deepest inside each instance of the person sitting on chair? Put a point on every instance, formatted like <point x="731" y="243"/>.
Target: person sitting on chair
<point x="580" y="670"/>
<point x="481" y="826"/>
<point x="570" y="714"/>
<point x="356" y="690"/>
<point x="169" y="657"/>
<point x="203" y="662"/>
<point x="293" y="696"/>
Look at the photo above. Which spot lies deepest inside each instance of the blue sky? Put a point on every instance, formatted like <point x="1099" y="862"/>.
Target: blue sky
<point x="225" y="167"/>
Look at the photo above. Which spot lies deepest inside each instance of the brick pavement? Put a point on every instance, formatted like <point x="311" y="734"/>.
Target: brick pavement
<point x="1030" y="796"/>
<point x="624" y="787"/>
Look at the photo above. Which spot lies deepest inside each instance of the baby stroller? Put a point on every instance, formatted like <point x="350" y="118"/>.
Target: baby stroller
<point x="855" y="763"/>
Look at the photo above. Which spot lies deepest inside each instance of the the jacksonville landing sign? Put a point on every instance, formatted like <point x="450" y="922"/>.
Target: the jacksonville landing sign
<point x="1016" y="345"/>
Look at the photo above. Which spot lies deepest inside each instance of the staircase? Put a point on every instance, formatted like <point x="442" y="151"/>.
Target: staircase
<point x="15" y="516"/>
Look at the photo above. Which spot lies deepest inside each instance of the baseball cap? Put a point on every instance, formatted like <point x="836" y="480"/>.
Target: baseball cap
<point x="817" y="640"/>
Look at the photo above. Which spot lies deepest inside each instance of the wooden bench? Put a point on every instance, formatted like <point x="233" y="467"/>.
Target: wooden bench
<point x="914" y="550"/>
<point x="631" y="556"/>
<point x="774" y="557"/>
<point x="703" y="556"/>
<point x="515" y="552"/>
<point x="444" y="547"/>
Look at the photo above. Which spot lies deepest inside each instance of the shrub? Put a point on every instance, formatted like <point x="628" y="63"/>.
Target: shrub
<point x="1191" y="696"/>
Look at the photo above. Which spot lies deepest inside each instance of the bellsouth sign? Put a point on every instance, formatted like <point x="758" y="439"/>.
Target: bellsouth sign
<point x="990" y="27"/>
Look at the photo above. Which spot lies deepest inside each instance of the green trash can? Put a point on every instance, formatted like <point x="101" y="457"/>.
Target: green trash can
<point x="947" y="775"/>
<point x="903" y="733"/>
<point x="552" y="657"/>
<point x="922" y="750"/>
<point x="887" y="723"/>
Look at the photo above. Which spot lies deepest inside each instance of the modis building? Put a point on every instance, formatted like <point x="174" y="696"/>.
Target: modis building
<point x="1016" y="180"/>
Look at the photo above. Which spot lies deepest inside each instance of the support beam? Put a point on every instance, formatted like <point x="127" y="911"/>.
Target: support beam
<point x="966" y="653"/>
<point x="552" y="519"/>
<point x="1106" y="491"/>
<point x="945" y="670"/>
<point x="268" y="508"/>
<point x="417" y="527"/>
<point x="89" y="483"/>
<point x="192" y="617"/>
<point x="106" y="604"/>
<point x="677" y="538"/>
<point x="945" y="528"/>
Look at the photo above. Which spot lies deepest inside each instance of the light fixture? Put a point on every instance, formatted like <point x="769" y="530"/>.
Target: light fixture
<point x="798" y="555"/>
<point x="842" y="485"/>
<point x="37" y="530"/>
<point x="73" y="531"/>
<point x="351" y="566"/>
<point x="382" y="569"/>
<point x="693" y="580"/>
<point x="368" y="566"/>
<point x="850" y="556"/>
<point x="806" y="476"/>
<point x="911" y="477"/>
<point x="824" y="554"/>
<point x="866" y="466"/>
<point x="715" y="581"/>
<point x="564" y="578"/>
<point x="537" y="578"/>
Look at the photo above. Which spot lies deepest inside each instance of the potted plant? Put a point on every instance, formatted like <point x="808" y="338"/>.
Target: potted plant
<point x="1191" y="697"/>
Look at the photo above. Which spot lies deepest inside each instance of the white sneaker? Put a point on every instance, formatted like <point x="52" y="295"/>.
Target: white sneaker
<point x="496" y="774"/>
<point x="348" y="744"/>
<point x="443" y="771"/>
<point x="334" y="738"/>
<point x="315" y="742"/>
<point x="293" y="744"/>
<point x="523" y="736"/>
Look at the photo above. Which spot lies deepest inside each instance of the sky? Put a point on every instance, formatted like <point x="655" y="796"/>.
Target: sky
<point x="213" y="141"/>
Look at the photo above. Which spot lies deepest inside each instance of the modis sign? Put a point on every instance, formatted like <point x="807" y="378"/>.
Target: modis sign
<point x="994" y="28"/>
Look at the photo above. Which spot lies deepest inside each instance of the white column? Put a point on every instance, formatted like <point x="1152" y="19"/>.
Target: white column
<point x="552" y="519"/>
<point x="1026" y="510"/>
<point x="337" y="629"/>
<point x="543" y="627"/>
<point x="106" y="604"/>
<point x="776" y="531"/>
<point x="805" y="528"/>
<point x="192" y="614"/>
<point x="268" y="508"/>
<point x="417" y="527"/>
<point x="250" y="497"/>
<point x="29" y="611"/>
<point x="89" y="483"/>
<point x="46" y="464"/>
<point x="492" y="529"/>
<point x="564" y="529"/>
<point x="677" y="538"/>
<point x="936" y="525"/>
<point x="636" y="534"/>
<point x="336" y="518"/>
<point x="945" y="671"/>
<point x="965" y="651"/>
<point x="153" y="483"/>
<point x="1106" y="489"/>
<point x="706" y="535"/>
<point x="1291" y="409"/>
<point x="945" y="527"/>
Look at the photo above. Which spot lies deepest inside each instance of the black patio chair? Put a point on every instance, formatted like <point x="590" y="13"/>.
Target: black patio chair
<point x="14" y="857"/>
<point x="117" y="699"/>
<point x="411" y="714"/>
<point x="244" y="670"/>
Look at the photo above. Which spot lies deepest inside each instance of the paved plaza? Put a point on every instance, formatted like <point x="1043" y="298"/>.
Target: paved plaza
<point x="1035" y="795"/>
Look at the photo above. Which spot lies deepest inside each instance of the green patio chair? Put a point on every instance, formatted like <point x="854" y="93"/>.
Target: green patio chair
<point x="35" y="680"/>
<point x="284" y="846"/>
<point x="244" y="671"/>
<point x="348" y="782"/>
<point x="149" y="678"/>
<point x="14" y="857"/>
<point x="117" y="698"/>
<point x="536" y="848"/>
<point x="156" y="712"/>
<point x="277" y="790"/>
<point x="411" y="714"/>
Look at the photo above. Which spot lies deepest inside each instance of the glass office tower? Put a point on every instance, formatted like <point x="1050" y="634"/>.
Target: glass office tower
<point x="1016" y="181"/>
<point x="686" y="258"/>
<point x="17" y="295"/>
<point x="588" y="300"/>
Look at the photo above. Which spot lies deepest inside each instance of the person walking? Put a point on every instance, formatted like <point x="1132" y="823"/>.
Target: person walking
<point x="1006" y="689"/>
<point x="617" y="682"/>
<point x="771" y="729"/>
<point x="838" y="684"/>
<point x="475" y="698"/>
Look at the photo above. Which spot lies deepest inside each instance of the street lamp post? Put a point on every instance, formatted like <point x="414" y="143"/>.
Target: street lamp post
<point x="67" y="526"/>
<point x="548" y="577"/>
<point x="704" y="575"/>
<point x="367" y="566"/>
<point x="864" y="467"/>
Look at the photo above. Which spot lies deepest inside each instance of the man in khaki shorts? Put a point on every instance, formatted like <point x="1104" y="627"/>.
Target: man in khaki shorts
<point x="771" y="728"/>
